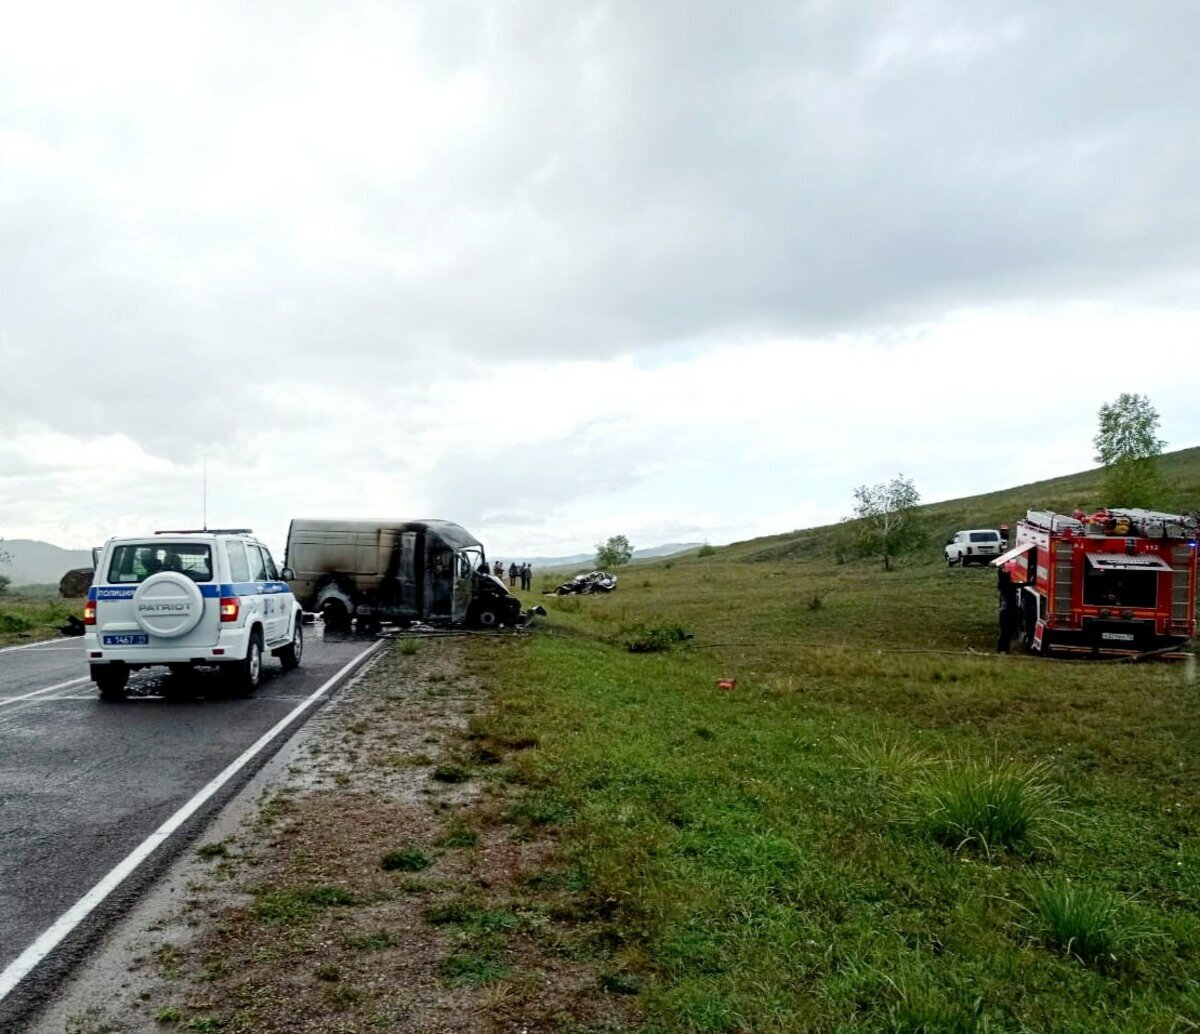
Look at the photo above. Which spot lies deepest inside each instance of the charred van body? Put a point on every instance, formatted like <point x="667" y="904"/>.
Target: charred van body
<point x="395" y="570"/>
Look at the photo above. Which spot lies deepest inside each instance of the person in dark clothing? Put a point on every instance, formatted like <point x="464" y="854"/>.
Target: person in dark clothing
<point x="512" y="574"/>
<point x="1008" y="610"/>
<point x="526" y="577"/>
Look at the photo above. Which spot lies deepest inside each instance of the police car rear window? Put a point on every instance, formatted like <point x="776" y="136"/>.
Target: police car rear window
<point x="985" y="536"/>
<point x="134" y="563"/>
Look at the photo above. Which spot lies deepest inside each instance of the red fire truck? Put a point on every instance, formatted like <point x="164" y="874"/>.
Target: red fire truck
<point x="1112" y="582"/>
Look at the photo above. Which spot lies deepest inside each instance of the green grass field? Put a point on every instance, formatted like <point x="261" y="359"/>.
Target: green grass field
<point x="26" y="616"/>
<point x="884" y="826"/>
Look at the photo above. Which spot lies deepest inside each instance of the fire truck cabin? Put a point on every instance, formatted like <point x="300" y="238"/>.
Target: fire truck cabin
<point x="1112" y="582"/>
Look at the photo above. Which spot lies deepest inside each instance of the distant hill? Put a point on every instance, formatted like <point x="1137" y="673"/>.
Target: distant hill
<point x="40" y="563"/>
<point x="589" y="559"/>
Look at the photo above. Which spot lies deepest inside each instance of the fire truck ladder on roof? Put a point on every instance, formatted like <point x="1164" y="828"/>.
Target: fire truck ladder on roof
<point x="1053" y="522"/>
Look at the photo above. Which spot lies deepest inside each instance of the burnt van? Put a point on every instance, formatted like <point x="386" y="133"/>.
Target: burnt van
<point x="370" y="571"/>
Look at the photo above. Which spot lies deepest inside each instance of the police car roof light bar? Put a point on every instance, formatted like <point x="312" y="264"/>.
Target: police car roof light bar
<point x="206" y="531"/>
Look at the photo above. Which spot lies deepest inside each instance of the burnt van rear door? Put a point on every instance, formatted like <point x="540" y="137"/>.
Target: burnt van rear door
<point x="408" y="572"/>
<point x="439" y="578"/>
<point x="464" y="584"/>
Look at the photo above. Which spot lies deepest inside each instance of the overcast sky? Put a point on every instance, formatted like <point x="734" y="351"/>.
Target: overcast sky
<point x="560" y="270"/>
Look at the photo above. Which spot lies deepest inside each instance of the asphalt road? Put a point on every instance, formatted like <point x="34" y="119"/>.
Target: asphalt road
<point x="83" y="783"/>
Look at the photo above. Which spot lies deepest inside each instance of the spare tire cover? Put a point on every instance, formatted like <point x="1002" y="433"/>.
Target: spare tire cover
<point x="168" y="604"/>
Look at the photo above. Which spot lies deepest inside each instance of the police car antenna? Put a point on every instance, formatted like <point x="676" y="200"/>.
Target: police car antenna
<point x="204" y="504"/>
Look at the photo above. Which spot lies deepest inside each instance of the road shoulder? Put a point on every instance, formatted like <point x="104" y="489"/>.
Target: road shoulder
<point x="371" y="876"/>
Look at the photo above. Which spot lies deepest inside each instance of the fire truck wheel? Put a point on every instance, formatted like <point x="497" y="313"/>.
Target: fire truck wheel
<point x="1028" y="625"/>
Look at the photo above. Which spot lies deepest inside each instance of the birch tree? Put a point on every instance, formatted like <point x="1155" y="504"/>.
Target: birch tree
<point x="888" y="525"/>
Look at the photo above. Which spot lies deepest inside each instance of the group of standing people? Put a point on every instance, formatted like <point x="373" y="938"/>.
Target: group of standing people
<point x="515" y="571"/>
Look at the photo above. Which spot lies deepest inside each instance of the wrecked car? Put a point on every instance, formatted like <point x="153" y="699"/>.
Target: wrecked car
<point x="402" y="571"/>
<point x="586" y="584"/>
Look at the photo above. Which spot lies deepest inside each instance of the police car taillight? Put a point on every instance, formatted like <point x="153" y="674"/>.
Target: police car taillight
<point x="89" y="612"/>
<point x="229" y="608"/>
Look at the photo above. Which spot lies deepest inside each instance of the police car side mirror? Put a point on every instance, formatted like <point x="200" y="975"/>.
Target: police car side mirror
<point x="287" y="574"/>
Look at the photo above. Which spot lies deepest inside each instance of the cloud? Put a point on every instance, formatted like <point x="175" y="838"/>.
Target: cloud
<point x="570" y="261"/>
<point x="540" y="458"/>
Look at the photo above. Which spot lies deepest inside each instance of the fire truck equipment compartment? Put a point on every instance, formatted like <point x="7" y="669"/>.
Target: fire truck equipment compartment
<point x="1120" y="562"/>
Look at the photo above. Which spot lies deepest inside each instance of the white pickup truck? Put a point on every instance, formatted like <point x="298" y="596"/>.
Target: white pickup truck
<point x="977" y="546"/>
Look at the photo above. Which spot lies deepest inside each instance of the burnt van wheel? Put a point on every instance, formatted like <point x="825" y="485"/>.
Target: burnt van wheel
<point x="486" y="617"/>
<point x="337" y="617"/>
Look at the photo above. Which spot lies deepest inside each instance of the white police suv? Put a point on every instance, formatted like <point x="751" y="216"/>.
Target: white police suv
<point x="184" y="599"/>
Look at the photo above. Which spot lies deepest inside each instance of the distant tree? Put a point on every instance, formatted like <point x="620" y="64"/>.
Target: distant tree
<point x="616" y="552"/>
<point x="888" y="525"/>
<point x="1128" y="447"/>
<point x="5" y="582"/>
<point x="844" y="540"/>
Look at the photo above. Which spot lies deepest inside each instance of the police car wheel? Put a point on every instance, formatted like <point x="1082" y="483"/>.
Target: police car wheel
<point x="245" y="675"/>
<point x="111" y="680"/>
<point x="290" y="655"/>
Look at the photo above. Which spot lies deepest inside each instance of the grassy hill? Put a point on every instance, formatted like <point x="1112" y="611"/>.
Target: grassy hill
<point x="884" y="826"/>
<point x="1180" y="470"/>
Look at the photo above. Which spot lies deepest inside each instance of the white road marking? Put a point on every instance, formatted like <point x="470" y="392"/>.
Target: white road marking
<point x="45" y="644"/>
<point x="41" y="692"/>
<point x="20" y="967"/>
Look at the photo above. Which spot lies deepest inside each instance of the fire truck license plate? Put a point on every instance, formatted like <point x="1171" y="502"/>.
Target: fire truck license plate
<point x="1124" y="637"/>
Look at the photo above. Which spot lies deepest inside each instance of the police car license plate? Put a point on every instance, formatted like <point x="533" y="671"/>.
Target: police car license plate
<point x="130" y="639"/>
<point x="1122" y="637"/>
